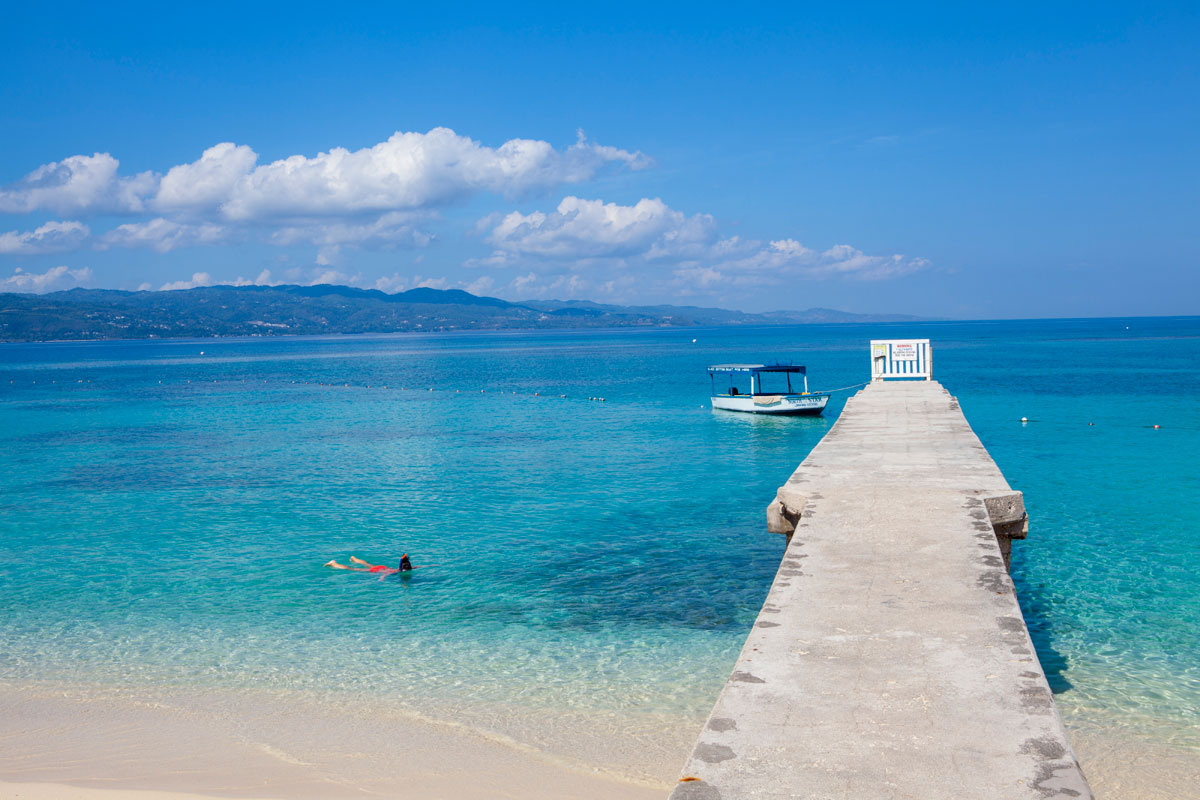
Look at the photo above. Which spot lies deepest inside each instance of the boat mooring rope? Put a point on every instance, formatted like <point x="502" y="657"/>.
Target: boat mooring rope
<point x="844" y="388"/>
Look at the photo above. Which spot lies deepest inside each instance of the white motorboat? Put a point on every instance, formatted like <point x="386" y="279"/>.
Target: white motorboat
<point x="770" y="390"/>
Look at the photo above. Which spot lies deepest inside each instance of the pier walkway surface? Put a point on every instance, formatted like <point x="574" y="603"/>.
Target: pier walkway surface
<point x="890" y="659"/>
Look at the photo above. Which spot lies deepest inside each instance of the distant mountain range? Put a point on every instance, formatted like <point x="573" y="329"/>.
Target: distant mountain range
<point x="278" y="310"/>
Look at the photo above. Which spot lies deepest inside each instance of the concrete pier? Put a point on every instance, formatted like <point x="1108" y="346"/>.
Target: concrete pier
<point x="890" y="659"/>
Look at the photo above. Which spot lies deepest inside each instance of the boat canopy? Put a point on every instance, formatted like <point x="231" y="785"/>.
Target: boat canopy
<point x="754" y="369"/>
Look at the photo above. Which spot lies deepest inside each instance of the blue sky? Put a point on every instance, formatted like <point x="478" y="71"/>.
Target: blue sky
<point x="1020" y="161"/>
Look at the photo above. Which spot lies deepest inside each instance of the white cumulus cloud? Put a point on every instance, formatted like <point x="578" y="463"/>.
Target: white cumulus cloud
<point x="373" y="197"/>
<point x="52" y="280"/>
<point x="389" y="230"/>
<point x="79" y="183"/>
<point x="163" y="235"/>
<point x="407" y="171"/>
<point x="198" y="279"/>
<point x="787" y="257"/>
<point x="607" y="239"/>
<point x="52" y="237"/>
<point x="581" y="228"/>
<point x="481" y="285"/>
<point x="264" y="279"/>
<point x="208" y="182"/>
<point x="413" y="171"/>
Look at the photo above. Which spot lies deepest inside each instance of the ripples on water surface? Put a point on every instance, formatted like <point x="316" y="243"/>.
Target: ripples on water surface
<point x="164" y="514"/>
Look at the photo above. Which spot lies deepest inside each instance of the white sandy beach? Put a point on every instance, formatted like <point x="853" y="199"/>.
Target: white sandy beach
<point x="86" y="743"/>
<point x="62" y="791"/>
<point x="173" y="743"/>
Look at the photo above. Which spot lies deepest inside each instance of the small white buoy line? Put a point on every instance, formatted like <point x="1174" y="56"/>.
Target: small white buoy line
<point x="343" y="385"/>
<point x="90" y="383"/>
<point x="1105" y="425"/>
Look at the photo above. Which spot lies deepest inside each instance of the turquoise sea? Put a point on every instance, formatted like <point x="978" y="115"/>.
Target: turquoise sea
<point x="166" y="508"/>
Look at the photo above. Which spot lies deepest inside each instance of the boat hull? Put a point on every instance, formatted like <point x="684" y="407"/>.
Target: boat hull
<point x="788" y="404"/>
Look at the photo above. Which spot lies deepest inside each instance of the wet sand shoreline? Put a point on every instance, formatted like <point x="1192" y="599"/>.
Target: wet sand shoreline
<point x="100" y="743"/>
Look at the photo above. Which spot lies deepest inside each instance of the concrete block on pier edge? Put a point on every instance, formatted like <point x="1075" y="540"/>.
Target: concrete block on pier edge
<point x="785" y="511"/>
<point x="890" y="658"/>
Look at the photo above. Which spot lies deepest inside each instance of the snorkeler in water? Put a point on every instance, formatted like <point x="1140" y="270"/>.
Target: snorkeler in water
<point x="365" y="566"/>
<point x="406" y="565"/>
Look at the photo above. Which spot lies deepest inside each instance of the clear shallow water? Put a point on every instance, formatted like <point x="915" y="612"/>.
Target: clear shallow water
<point x="164" y="515"/>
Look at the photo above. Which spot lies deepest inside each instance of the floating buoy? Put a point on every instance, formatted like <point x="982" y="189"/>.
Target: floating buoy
<point x="693" y="341"/>
<point x="1156" y="427"/>
<point x="1024" y="419"/>
<point x="201" y="352"/>
<point x="1090" y="424"/>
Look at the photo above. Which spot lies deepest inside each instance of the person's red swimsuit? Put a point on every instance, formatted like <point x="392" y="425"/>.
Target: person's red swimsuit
<point x="380" y="568"/>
